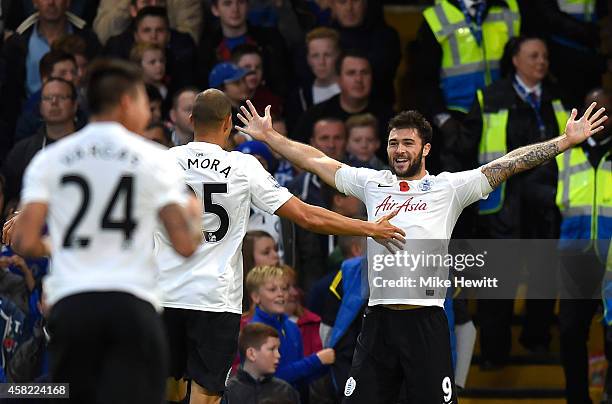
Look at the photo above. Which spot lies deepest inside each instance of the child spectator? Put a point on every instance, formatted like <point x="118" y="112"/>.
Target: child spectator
<point x="152" y="58"/>
<point x="268" y="289"/>
<point x="363" y="142"/>
<point x="231" y="79"/>
<point x="308" y="322"/>
<point x="259" y="349"/>
<point x="259" y="248"/>
<point x="157" y="132"/>
<point x="249" y="57"/>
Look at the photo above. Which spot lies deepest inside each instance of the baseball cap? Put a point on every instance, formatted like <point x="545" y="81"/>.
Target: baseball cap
<point x="225" y="73"/>
<point x="258" y="148"/>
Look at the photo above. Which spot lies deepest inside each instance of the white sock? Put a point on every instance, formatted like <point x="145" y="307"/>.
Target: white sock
<point x="466" y="337"/>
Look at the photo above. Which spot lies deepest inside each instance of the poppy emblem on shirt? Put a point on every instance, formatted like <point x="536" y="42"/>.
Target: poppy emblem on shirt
<point x="404" y="187"/>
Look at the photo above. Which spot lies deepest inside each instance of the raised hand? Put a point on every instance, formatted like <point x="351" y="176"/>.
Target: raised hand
<point x="577" y="131"/>
<point x="255" y="125"/>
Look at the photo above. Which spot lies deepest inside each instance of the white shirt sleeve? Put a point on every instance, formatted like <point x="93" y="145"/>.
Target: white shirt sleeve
<point x="266" y="193"/>
<point x="470" y="186"/>
<point x="168" y="184"/>
<point x="352" y="181"/>
<point x="36" y="185"/>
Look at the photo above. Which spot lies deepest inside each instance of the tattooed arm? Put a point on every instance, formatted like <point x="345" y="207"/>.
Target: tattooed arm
<point x="528" y="157"/>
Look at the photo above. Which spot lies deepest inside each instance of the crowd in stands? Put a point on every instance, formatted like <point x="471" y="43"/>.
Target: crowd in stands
<point x="479" y="70"/>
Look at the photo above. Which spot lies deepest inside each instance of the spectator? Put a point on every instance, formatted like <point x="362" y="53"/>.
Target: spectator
<point x="151" y="26"/>
<point x="582" y="200"/>
<point x="151" y="58"/>
<point x="363" y="141"/>
<point x="362" y="27"/>
<point x="76" y="46"/>
<point x="53" y="64"/>
<point x="115" y="16"/>
<point x="182" y="104"/>
<point x="216" y="46"/>
<point x="12" y="331"/>
<point x="58" y="110"/>
<point x="322" y="52"/>
<point x="32" y="40"/>
<point x="307" y="321"/>
<point x="451" y="44"/>
<point x="268" y="291"/>
<point x="249" y="57"/>
<point x="354" y="98"/>
<point x="259" y="345"/>
<point x="231" y="79"/>
<point x="572" y="31"/>
<point x="520" y="109"/>
<point x="155" y="102"/>
<point x="279" y="14"/>
<point x="158" y="133"/>
<point x="19" y="10"/>
<point x="285" y="172"/>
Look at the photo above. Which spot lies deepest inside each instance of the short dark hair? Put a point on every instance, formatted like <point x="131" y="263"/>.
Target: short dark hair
<point x="350" y="53"/>
<point x="51" y="58"/>
<point x="177" y="94"/>
<point x="254" y="335"/>
<point x="73" y="44"/>
<point x="412" y="120"/>
<point x="245" y="49"/>
<point x="108" y="80"/>
<point x="73" y="90"/>
<point x="210" y="108"/>
<point x="151" y="11"/>
<point x="165" y="130"/>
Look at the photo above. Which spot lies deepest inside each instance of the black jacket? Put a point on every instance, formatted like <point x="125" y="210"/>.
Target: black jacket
<point x="529" y="209"/>
<point x="275" y="54"/>
<point x="243" y="389"/>
<point x="18" y="159"/>
<point x="332" y="108"/>
<point x="14" y="53"/>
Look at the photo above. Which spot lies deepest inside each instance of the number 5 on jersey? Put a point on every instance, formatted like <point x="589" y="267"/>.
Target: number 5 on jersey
<point x="208" y="189"/>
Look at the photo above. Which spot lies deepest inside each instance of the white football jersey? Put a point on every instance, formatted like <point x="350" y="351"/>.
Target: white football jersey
<point x="428" y="208"/>
<point x="227" y="183"/>
<point x="104" y="187"/>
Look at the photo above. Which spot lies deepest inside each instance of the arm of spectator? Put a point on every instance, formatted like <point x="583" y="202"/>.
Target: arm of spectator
<point x="112" y="18"/>
<point x="186" y="16"/>
<point x="301" y="155"/>
<point x="427" y="63"/>
<point x="561" y="23"/>
<point x="20" y="264"/>
<point x="300" y="369"/>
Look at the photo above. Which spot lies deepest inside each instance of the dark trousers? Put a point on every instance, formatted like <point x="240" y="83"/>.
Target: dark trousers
<point x="110" y="347"/>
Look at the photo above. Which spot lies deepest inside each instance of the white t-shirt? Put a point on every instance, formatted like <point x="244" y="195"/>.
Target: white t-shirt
<point x="227" y="183"/>
<point x="320" y="94"/>
<point x="104" y="187"/>
<point x="430" y="206"/>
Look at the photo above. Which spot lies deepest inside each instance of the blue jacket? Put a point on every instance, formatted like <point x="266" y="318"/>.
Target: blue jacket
<point x="293" y="367"/>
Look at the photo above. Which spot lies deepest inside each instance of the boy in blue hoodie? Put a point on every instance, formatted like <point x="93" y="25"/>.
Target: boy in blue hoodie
<point x="268" y="289"/>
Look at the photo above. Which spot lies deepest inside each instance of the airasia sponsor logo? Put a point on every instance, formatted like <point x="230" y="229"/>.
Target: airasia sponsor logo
<point x="409" y="205"/>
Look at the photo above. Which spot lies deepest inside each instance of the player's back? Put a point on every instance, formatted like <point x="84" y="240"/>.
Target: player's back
<point x="101" y="187"/>
<point x="227" y="183"/>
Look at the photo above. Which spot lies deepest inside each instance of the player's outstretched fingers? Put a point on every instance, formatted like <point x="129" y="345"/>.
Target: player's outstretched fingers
<point x="252" y="108"/>
<point x="589" y="110"/>
<point x="246" y="113"/>
<point x="599" y="121"/>
<point x="597" y="115"/>
<point x="242" y="119"/>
